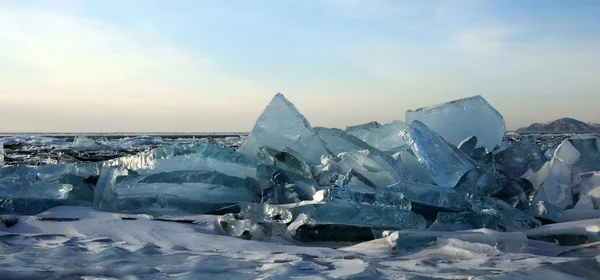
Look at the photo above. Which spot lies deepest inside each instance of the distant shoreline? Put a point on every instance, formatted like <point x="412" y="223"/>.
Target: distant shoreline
<point x="126" y="134"/>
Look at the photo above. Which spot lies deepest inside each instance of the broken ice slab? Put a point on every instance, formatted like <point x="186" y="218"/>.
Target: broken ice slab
<point x="2" y="153"/>
<point x="445" y="164"/>
<point x="518" y="158"/>
<point x="427" y="199"/>
<point x="508" y="217"/>
<point x="256" y="221"/>
<point x="34" y="206"/>
<point x="556" y="177"/>
<point x="479" y="181"/>
<point x="545" y="212"/>
<point x="22" y="182"/>
<point x="348" y="222"/>
<point x="386" y="197"/>
<point x="413" y="241"/>
<point x="379" y="170"/>
<point x="459" y="119"/>
<point x="385" y="137"/>
<point x="340" y="143"/>
<point x="337" y="141"/>
<point x="197" y="156"/>
<point x="287" y="160"/>
<point x="589" y="159"/>
<point x="185" y="191"/>
<point x="412" y="164"/>
<point x="362" y="128"/>
<point x="281" y="125"/>
<point x="588" y="190"/>
<point x="452" y="221"/>
<point x="568" y="233"/>
<point x="468" y="145"/>
<point x="280" y="188"/>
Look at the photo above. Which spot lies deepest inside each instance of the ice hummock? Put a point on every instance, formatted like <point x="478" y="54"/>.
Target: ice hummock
<point x="445" y="164"/>
<point x="459" y="119"/>
<point x="281" y="125"/>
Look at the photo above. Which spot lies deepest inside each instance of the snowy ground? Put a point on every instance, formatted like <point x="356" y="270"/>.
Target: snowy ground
<point x="100" y="245"/>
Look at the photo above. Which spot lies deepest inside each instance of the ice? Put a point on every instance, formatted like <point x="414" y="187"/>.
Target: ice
<point x="520" y="157"/>
<point x="1" y="154"/>
<point x="22" y="182"/>
<point x="589" y="148"/>
<point x="286" y="160"/>
<point x="374" y="169"/>
<point x="256" y="221"/>
<point x="363" y="128"/>
<point x="412" y="164"/>
<point x="385" y="137"/>
<point x="468" y="145"/>
<point x="84" y="143"/>
<point x="568" y="233"/>
<point x="427" y="200"/>
<point x="459" y="119"/>
<point x="197" y="156"/>
<point x="445" y="164"/>
<point x="281" y="125"/>
<point x="545" y="211"/>
<point x="345" y="222"/>
<point x="589" y="190"/>
<point x="556" y="177"/>
<point x="452" y="221"/>
<point x="412" y="241"/>
<point x="508" y="217"/>
<point x="387" y="197"/>
<point x="280" y="189"/>
<point x="185" y="191"/>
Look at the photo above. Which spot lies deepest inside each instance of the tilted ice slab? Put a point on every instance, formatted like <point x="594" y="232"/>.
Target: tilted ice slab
<point x="459" y="119"/>
<point x="281" y="125"/>
<point x="197" y="156"/>
<point x="445" y="164"/>
<point x="385" y="137"/>
<point x="555" y="179"/>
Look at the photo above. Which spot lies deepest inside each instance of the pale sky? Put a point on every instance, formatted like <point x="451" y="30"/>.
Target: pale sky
<point x="194" y="66"/>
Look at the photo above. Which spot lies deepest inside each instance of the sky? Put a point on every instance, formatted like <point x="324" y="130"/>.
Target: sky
<point x="199" y="65"/>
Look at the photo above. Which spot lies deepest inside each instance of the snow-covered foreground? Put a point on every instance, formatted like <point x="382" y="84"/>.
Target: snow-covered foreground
<point x="90" y="244"/>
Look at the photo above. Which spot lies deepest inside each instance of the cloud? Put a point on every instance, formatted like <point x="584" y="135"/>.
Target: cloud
<point x="60" y="61"/>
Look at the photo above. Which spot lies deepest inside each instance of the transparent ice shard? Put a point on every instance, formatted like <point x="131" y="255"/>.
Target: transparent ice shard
<point x="385" y="137"/>
<point x="281" y="125"/>
<point x="556" y="178"/>
<point x="445" y="164"/>
<point x="197" y="156"/>
<point x="280" y="188"/>
<point x="386" y="197"/>
<point x="468" y="145"/>
<point x="412" y="164"/>
<point x="379" y="174"/>
<point x="459" y="119"/>
<point x="545" y="211"/>
<point x="362" y="128"/>
<point x="518" y="158"/>
<point x="589" y="148"/>
<point x="344" y="222"/>
<point x="413" y="241"/>
<point x="508" y="217"/>
<point x="286" y="160"/>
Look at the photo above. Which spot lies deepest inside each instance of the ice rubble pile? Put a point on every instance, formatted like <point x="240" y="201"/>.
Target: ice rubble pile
<point x="445" y="174"/>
